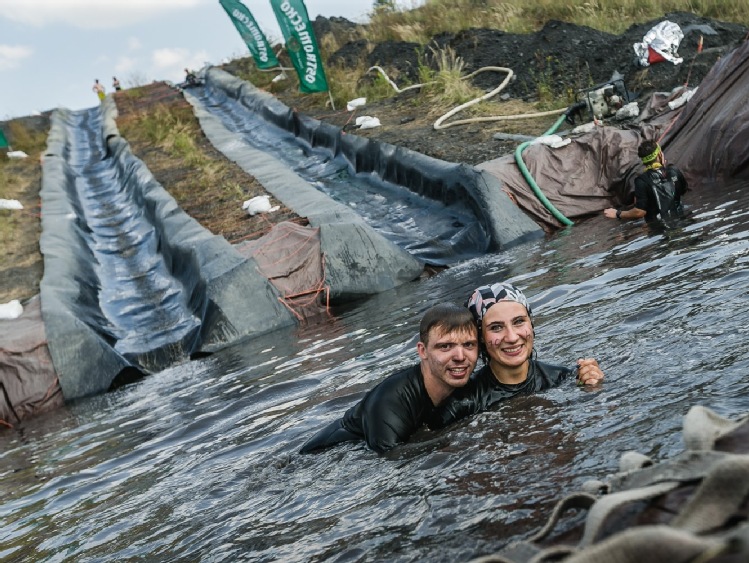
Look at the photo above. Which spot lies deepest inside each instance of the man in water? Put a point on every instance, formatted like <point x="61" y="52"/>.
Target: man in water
<point x="658" y="190"/>
<point x="399" y="405"/>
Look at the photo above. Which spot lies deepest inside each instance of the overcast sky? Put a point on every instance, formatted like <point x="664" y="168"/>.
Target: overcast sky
<point x="52" y="50"/>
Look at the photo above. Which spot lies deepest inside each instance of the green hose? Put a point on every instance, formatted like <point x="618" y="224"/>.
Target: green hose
<point x="527" y="175"/>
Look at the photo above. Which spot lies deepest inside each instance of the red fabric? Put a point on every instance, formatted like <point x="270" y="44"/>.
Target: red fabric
<point x="654" y="56"/>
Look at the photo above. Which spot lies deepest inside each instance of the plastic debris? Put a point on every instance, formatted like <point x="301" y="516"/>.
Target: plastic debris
<point x="660" y="44"/>
<point x="683" y="99"/>
<point x="11" y="310"/>
<point x="628" y="111"/>
<point x="279" y="77"/>
<point x="17" y="154"/>
<point x="553" y="141"/>
<point x="585" y="127"/>
<point x="259" y="204"/>
<point x="357" y="103"/>
<point x="367" y="122"/>
<point x="10" y="204"/>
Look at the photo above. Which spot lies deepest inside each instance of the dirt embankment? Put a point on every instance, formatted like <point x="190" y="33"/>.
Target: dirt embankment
<point x="559" y="59"/>
<point x="553" y="63"/>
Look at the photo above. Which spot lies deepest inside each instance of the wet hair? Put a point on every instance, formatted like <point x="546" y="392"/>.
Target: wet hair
<point x="447" y="317"/>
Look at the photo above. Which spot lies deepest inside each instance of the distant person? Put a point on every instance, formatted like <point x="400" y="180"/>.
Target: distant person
<point x="658" y="190"/>
<point x="191" y="78"/>
<point x="404" y="401"/>
<point x="506" y="339"/>
<point x="99" y="89"/>
<point x="116" y="84"/>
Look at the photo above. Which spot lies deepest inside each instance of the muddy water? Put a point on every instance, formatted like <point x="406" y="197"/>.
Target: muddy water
<point x="199" y="462"/>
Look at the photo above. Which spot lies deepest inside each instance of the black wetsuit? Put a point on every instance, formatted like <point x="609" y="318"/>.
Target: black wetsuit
<point x="386" y="416"/>
<point x="483" y="391"/>
<point x="658" y="192"/>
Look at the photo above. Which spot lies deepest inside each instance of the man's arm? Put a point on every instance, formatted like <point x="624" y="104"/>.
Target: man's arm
<point x="387" y="420"/>
<point x="638" y="211"/>
<point x="624" y="215"/>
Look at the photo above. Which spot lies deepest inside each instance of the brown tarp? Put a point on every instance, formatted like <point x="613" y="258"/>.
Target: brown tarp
<point x="28" y="382"/>
<point x="708" y="138"/>
<point x="290" y="256"/>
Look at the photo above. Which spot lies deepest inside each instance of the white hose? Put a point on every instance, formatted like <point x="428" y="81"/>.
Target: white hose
<point x="439" y="123"/>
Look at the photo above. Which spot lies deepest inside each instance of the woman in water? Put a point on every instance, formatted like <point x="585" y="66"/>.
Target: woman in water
<point x="506" y="337"/>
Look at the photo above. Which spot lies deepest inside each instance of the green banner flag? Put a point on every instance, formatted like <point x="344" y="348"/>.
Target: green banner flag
<point x="251" y="34"/>
<point x="301" y="44"/>
<point x="3" y="140"/>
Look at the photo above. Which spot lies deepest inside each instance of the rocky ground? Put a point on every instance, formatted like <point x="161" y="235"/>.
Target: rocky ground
<point x="554" y="62"/>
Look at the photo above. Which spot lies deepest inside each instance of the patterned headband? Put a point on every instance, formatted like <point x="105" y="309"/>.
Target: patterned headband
<point x="487" y="295"/>
<point x="652" y="156"/>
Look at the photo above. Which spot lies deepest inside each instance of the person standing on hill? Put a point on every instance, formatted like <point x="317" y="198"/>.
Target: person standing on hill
<point x="116" y="84"/>
<point x="658" y="190"/>
<point x="99" y="89"/>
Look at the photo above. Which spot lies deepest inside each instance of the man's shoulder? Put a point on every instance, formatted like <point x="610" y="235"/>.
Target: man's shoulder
<point x="406" y="376"/>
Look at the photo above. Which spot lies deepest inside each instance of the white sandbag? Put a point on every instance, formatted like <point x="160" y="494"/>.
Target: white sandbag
<point x="553" y="141"/>
<point x="10" y="204"/>
<point x="11" y="310"/>
<point x="356" y="103"/>
<point x="367" y="122"/>
<point x="630" y="110"/>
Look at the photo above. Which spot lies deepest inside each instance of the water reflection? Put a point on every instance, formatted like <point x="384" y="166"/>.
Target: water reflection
<point x="199" y="462"/>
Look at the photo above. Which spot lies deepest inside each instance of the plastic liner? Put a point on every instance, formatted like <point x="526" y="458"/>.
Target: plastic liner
<point x="710" y="139"/>
<point x="359" y="261"/>
<point x="436" y="210"/>
<point x="130" y="280"/>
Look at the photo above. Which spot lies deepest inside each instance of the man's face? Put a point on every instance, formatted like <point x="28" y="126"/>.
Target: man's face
<point x="448" y="358"/>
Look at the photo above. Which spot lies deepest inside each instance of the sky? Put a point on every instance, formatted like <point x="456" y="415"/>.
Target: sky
<point x="52" y="50"/>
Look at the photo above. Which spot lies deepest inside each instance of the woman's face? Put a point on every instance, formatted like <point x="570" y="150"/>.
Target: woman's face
<point x="508" y="333"/>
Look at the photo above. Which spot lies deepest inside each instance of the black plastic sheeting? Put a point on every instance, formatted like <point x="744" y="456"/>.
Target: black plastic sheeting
<point x="358" y="260"/>
<point x="131" y="283"/>
<point x="440" y="212"/>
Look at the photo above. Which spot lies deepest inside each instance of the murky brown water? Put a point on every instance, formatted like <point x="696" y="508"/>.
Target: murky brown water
<point x="199" y="462"/>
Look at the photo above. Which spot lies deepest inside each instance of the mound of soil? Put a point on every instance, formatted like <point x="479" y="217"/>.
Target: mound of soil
<point x="558" y="60"/>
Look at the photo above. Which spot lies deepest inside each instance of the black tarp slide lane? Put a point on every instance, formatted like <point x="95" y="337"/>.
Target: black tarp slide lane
<point x="130" y="281"/>
<point x="440" y="212"/>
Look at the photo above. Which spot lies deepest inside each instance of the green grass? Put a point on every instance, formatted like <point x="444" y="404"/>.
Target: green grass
<point x="523" y="16"/>
<point x="419" y="25"/>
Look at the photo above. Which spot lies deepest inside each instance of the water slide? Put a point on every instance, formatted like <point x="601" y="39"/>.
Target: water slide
<point x="131" y="283"/>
